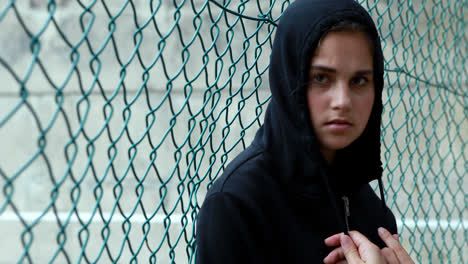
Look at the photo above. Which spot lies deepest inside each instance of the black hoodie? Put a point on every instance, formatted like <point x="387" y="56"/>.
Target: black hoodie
<point x="278" y="200"/>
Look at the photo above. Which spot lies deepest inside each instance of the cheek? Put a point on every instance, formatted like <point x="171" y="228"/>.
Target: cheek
<point x="366" y="105"/>
<point x="313" y="104"/>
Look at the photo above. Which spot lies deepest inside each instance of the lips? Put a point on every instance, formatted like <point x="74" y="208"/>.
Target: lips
<point x="339" y="122"/>
<point x="339" y="125"/>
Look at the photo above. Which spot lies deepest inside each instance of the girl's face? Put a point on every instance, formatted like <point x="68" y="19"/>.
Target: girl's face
<point x="340" y="92"/>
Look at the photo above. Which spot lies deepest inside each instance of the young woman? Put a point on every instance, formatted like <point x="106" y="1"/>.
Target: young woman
<point x="305" y="176"/>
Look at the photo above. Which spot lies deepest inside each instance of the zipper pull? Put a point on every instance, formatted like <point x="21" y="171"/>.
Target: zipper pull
<point x="347" y="214"/>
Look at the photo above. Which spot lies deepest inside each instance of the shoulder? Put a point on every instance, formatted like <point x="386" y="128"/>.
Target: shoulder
<point x="247" y="188"/>
<point x="232" y="221"/>
<point x="249" y="174"/>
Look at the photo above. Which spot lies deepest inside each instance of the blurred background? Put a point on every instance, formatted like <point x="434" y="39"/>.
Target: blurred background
<point x="116" y="117"/>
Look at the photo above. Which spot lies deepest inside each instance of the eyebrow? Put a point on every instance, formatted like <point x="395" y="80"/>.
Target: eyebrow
<point x="328" y="69"/>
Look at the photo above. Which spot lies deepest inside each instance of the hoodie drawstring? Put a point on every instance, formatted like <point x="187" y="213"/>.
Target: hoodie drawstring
<point x="346" y="213"/>
<point x="344" y="223"/>
<point x="382" y="194"/>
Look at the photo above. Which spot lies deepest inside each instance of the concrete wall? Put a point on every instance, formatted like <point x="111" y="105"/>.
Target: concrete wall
<point x="115" y="114"/>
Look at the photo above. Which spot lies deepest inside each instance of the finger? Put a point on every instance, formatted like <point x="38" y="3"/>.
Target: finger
<point x="390" y="256"/>
<point x="367" y="250"/>
<point x="349" y="249"/>
<point x="397" y="238"/>
<point x="389" y="239"/>
<point x="342" y="262"/>
<point x="333" y="241"/>
<point x="395" y="245"/>
<point x="358" y="238"/>
<point x="335" y="256"/>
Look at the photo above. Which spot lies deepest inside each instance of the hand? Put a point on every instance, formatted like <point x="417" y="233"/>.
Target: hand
<point x="394" y="253"/>
<point x="356" y="249"/>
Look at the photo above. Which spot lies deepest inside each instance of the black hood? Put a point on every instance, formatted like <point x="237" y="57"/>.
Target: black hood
<point x="287" y="134"/>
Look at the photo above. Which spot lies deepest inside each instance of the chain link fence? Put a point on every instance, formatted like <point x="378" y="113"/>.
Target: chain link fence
<point x="116" y="116"/>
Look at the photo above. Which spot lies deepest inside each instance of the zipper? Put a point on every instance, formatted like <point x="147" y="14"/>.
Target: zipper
<point x="347" y="214"/>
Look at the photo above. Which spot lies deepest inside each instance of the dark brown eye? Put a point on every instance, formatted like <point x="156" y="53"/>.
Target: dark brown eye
<point x="359" y="81"/>
<point x="319" y="78"/>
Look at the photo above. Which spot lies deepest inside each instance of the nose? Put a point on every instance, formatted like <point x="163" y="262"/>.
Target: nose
<point x="341" y="97"/>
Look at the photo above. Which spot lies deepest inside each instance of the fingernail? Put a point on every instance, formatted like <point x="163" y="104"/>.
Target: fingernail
<point x="345" y="241"/>
<point x="381" y="231"/>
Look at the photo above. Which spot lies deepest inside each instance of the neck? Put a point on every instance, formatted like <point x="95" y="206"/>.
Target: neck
<point x="329" y="155"/>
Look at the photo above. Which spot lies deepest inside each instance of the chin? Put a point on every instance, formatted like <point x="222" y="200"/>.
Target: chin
<point x="339" y="145"/>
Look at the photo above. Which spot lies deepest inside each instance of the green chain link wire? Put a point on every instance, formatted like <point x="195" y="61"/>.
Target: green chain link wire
<point x="190" y="81"/>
